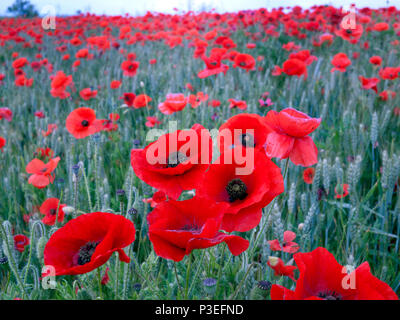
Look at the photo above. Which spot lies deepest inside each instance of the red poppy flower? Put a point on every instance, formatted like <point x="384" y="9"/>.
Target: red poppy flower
<point x="22" y="81"/>
<point x="129" y="98"/>
<point x="44" y="152"/>
<point x="41" y="172"/>
<point x="294" y="67"/>
<point x="389" y="73"/>
<point x="88" y="93"/>
<point x="49" y="210"/>
<point x="157" y="197"/>
<point x="196" y="100"/>
<point x="87" y="242"/>
<point x="115" y="84"/>
<point x="2" y="143"/>
<point x="247" y="187"/>
<point x="340" y="62"/>
<point x="342" y="191"/>
<point x="369" y="83"/>
<point x="308" y="175"/>
<point x="384" y="95"/>
<point x="152" y="121"/>
<point x="141" y="101"/>
<point x="287" y="246"/>
<point x="50" y="128"/>
<point x="110" y="124"/>
<point x="82" y="122"/>
<point x="174" y="102"/>
<point x="176" y="228"/>
<point x="376" y="60"/>
<point x="247" y="130"/>
<point x="213" y="66"/>
<point x="82" y="53"/>
<point x="214" y="103"/>
<point x="240" y="104"/>
<point x="323" y="278"/>
<point x="245" y="61"/>
<point x="280" y="269"/>
<point x="290" y="46"/>
<point x="40" y="114"/>
<point x="352" y="34"/>
<point x="129" y="68"/>
<point x="176" y="161"/>
<point x="106" y="277"/>
<point x="6" y="113"/>
<point x="304" y="55"/>
<point x="20" y="242"/>
<point x="59" y="84"/>
<point x="380" y="26"/>
<point x="19" y="63"/>
<point x="290" y="137"/>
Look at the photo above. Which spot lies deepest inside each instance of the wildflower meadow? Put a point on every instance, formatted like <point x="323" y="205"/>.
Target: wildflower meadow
<point x="248" y="155"/>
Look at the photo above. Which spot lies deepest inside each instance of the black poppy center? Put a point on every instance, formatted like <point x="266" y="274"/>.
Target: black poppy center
<point x="242" y="64"/>
<point x="237" y="190"/>
<point x="85" y="123"/>
<point x="329" y="295"/>
<point x="348" y="31"/>
<point x="53" y="212"/>
<point x="247" y="140"/>
<point x="86" y="252"/>
<point x="175" y="158"/>
<point x="190" y="227"/>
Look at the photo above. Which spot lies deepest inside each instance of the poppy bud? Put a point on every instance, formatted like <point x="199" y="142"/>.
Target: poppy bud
<point x="273" y="261"/>
<point x="300" y="226"/>
<point x="83" y="294"/>
<point x="137" y="287"/>
<point x="120" y="195"/>
<point x="3" y="259"/>
<point x="68" y="210"/>
<point x="260" y="290"/>
<point x="210" y="285"/>
<point x="75" y="169"/>
<point x="40" y="247"/>
<point x="132" y="211"/>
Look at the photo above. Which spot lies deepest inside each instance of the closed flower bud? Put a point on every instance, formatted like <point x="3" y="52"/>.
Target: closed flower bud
<point x="210" y="285"/>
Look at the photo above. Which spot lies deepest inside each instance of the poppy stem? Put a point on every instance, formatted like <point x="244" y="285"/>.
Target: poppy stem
<point x="271" y="205"/>
<point x="200" y="265"/>
<point x="233" y="296"/>
<point x="188" y="276"/>
<point x="220" y="269"/>
<point x="177" y="280"/>
<point x="99" y="283"/>
<point x="116" y="277"/>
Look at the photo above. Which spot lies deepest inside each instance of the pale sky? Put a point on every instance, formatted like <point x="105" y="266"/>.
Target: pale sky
<point x="134" y="7"/>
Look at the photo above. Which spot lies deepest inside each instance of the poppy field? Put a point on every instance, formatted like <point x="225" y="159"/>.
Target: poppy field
<point x="200" y="155"/>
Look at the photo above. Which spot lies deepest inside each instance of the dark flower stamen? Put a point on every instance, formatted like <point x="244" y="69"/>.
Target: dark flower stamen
<point x="85" y="123"/>
<point x="264" y="285"/>
<point x="236" y="189"/>
<point x="329" y="295"/>
<point x="191" y="227"/>
<point x="247" y="140"/>
<point x="86" y="252"/>
<point x="175" y="158"/>
<point x="53" y="212"/>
